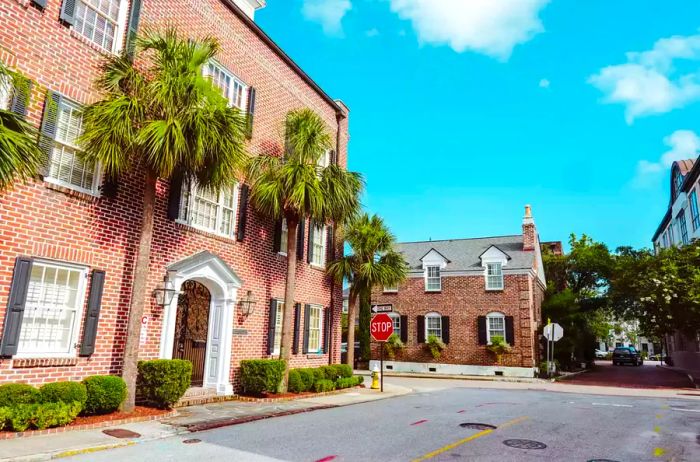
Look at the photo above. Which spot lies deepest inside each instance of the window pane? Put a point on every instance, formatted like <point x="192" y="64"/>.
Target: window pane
<point x="396" y="320"/>
<point x="278" y="327"/>
<point x="433" y="279"/>
<point x="497" y="327"/>
<point x="314" y="328"/>
<point x="319" y="245"/>
<point x="97" y="21"/>
<point x="284" y="237"/>
<point x="433" y="326"/>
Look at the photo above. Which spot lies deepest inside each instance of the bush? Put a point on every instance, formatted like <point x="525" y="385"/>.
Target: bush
<point x="64" y="392"/>
<point x="12" y="394"/>
<point x="307" y="378"/>
<point x="105" y="393"/>
<point x="324" y="385"/>
<point x="40" y="416"/>
<point x="343" y="370"/>
<point x="329" y="372"/>
<point x="435" y="346"/>
<point x="319" y="374"/>
<point x="261" y="375"/>
<point x="162" y="382"/>
<point x="5" y="414"/>
<point x="359" y="380"/>
<point x="295" y="384"/>
<point x="344" y="382"/>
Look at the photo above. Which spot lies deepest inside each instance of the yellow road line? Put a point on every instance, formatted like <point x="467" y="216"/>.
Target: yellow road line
<point x="449" y="447"/>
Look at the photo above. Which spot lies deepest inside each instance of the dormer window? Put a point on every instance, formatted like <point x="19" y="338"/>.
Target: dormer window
<point x="677" y="182"/>
<point x="392" y="289"/>
<point x="433" y="282"/>
<point x="494" y="276"/>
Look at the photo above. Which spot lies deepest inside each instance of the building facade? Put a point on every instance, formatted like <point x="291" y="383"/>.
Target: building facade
<point x="68" y="239"/>
<point x="465" y="292"/>
<point x="679" y="226"/>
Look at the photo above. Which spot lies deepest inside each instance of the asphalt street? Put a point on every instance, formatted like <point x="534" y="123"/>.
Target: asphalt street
<point x="432" y="424"/>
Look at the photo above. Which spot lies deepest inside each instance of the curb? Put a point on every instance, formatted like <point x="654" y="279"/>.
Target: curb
<point x="568" y="376"/>
<point x="682" y="372"/>
<point x="194" y="428"/>
<point x="465" y="377"/>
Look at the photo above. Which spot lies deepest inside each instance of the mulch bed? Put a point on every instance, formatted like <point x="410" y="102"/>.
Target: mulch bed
<point x="139" y="411"/>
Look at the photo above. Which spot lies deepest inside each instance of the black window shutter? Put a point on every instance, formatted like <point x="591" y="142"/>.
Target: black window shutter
<point x="133" y="28"/>
<point x="310" y="251"/>
<point x="49" y="124"/>
<point x="297" y="322"/>
<point x="176" y="183"/>
<point x="68" y="12"/>
<point x="242" y="215"/>
<point x="481" y="322"/>
<point x="272" y="320"/>
<point x="40" y="3"/>
<point x="21" y="93"/>
<point x="277" y="237"/>
<point x="15" y="306"/>
<point x="307" y="312"/>
<point x="404" y="329"/>
<point x="109" y="187"/>
<point x="334" y="157"/>
<point x="446" y="329"/>
<point x="92" y="315"/>
<point x="326" y="329"/>
<point x="420" y="329"/>
<point x="300" y="240"/>
<point x="510" y="333"/>
<point x="330" y="245"/>
<point x="251" y="112"/>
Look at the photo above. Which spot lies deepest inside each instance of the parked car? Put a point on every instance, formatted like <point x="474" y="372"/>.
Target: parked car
<point x="600" y="354"/>
<point x="627" y="355"/>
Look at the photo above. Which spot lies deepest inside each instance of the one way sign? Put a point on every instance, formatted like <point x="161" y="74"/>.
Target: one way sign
<point x="382" y="308"/>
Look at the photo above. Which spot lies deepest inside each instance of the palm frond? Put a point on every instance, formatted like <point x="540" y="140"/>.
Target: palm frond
<point x="20" y="156"/>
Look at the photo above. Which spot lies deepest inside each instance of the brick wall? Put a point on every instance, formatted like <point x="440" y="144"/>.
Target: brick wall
<point x="41" y="220"/>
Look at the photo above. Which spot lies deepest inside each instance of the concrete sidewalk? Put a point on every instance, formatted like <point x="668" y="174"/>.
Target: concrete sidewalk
<point x="187" y="420"/>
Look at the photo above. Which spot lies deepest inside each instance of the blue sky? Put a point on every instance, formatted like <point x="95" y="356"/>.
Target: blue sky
<point x="463" y="111"/>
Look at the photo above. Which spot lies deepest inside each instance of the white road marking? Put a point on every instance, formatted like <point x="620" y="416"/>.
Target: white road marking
<point x="686" y="410"/>
<point x="612" y="404"/>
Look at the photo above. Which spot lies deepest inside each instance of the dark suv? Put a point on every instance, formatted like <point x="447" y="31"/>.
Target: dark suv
<point x="627" y="355"/>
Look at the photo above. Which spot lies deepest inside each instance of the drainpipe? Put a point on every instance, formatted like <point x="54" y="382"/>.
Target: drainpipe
<point x="339" y="116"/>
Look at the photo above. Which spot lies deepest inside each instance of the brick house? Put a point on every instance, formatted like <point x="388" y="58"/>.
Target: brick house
<point x="465" y="291"/>
<point x="68" y="239"/>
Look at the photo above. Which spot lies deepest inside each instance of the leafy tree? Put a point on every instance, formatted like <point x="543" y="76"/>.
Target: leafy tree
<point x="294" y="188"/>
<point x="373" y="262"/>
<point x="20" y="156"/>
<point x="161" y="119"/>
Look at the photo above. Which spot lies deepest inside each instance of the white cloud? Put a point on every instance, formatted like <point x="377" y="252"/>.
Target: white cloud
<point x="647" y="83"/>
<point x="328" y="13"/>
<point x="683" y="144"/>
<point x="491" y="27"/>
<point x="544" y="83"/>
<point x="372" y="32"/>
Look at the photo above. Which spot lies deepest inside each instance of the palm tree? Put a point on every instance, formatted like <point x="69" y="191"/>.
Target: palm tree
<point x="20" y="156"/>
<point x="161" y="119"/>
<point x="295" y="187"/>
<point x="374" y="262"/>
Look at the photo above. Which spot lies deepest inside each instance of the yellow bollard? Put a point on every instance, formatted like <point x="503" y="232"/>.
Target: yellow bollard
<point x="375" y="378"/>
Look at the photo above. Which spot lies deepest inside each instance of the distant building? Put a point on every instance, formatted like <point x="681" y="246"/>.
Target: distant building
<point x="466" y="292"/>
<point x="552" y="247"/>
<point x="624" y="334"/>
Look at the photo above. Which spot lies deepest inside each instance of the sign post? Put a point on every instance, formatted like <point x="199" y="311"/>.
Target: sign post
<point x="553" y="332"/>
<point x="381" y="327"/>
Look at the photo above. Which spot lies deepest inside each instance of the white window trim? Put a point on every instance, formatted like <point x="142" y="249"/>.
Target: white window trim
<point x="486" y="276"/>
<point x="234" y="79"/>
<point x="493" y="315"/>
<point x="324" y="248"/>
<point x="396" y="318"/>
<point x="320" y="330"/>
<point x="283" y="241"/>
<point x="276" y="347"/>
<point x="77" y="320"/>
<point x="391" y="289"/>
<point x="432" y="315"/>
<point x="5" y="92"/>
<point x="121" y="27"/>
<point x="427" y="270"/>
<point x="190" y="204"/>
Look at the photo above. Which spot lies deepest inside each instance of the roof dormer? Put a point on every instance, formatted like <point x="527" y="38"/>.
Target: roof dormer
<point x="434" y="258"/>
<point x="494" y="255"/>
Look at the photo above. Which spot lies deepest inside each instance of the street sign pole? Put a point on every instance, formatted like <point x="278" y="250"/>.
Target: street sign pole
<point x="549" y="369"/>
<point x="381" y="327"/>
<point x="381" y="367"/>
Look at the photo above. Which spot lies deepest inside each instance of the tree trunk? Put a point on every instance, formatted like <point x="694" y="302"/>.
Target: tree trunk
<point x="288" y="314"/>
<point x="365" y="315"/>
<point x="138" y="294"/>
<point x="352" y="313"/>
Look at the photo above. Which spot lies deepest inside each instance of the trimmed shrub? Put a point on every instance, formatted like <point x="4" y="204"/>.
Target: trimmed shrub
<point x="345" y="382"/>
<point x="307" y="378"/>
<point x="5" y="414"/>
<point x="343" y="370"/>
<point x="295" y="384"/>
<point x="163" y="382"/>
<point x="22" y="417"/>
<point x="40" y="416"/>
<point x="329" y="372"/>
<point x="359" y="380"/>
<point x="64" y="392"/>
<point x="319" y="374"/>
<point x="12" y="394"/>
<point x="324" y="385"/>
<point x="105" y="393"/>
<point x="261" y="375"/>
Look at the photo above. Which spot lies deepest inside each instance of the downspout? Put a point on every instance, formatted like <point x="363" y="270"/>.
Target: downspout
<point x="338" y="118"/>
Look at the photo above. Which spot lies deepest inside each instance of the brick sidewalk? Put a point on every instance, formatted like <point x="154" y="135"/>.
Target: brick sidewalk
<point x="646" y="376"/>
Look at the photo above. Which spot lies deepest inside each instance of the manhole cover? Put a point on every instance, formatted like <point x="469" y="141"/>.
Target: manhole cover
<point x="477" y="426"/>
<point x="121" y="433"/>
<point x="524" y="444"/>
<point x="602" y="460"/>
<point x="192" y="441"/>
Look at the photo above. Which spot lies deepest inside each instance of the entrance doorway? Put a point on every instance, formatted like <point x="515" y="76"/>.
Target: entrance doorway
<point x="192" y="327"/>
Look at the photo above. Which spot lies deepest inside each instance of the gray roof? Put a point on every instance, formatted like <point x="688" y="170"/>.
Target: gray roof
<point x="463" y="254"/>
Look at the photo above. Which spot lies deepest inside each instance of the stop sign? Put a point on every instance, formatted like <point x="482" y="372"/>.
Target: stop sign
<point x="381" y="327"/>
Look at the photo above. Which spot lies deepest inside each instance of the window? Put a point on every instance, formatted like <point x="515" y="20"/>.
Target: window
<point x="319" y="245"/>
<point x="65" y="167"/>
<point x="432" y="279"/>
<point x="208" y="210"/>
<point x="4" y="92"/>
<point x="231" y="88"/>
<point x="677" y="182"/>
<point x="433" y="325"/>
<point x="278" y="327"/>
<point x="325" y="159"/>
<point x="315" y="315"/>
<point x="284" y="235"/>
<point x="695" y="214"/>
<point x="391" y="288"/>
<point x="98" y="21"/>
<point x="665" y="238"/>
<point x="396" y="320"/>
<point x="52" y="313"/>
<point x="682" y="226"/>
<point x="494" y="276"/>
<point x="495" y="326"/>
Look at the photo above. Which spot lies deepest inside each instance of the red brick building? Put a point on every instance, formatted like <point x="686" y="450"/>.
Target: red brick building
<point x="68" y="240"/>
<point x="464" y="292"/>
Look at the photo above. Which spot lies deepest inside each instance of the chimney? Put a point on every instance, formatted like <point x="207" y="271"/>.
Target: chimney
<point x="529" y="231"/>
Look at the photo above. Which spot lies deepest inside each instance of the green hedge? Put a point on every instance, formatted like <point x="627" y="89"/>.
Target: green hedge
<point x="105" y="393"/>
<point x="64" y="392"/>
<point x="295" y="384"/>
<point x="261" y="375"/>
<point x="12" y="394"/>
<point x="22" y="417"/>
<point x="307" y="378"/>
<point x="324" y="385"/>
<point x="162" y="382"/>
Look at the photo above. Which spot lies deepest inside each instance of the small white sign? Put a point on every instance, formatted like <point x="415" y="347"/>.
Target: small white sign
<point x="144" y="330"/>
<point x="553" y="332"/>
